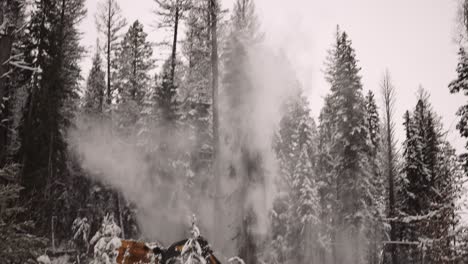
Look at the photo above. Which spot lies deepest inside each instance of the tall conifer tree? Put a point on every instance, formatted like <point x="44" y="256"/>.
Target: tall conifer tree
<point x="296" y="150"/>
<point x="245" y="166"/>
<point x="50" y="108"/>
<point x="110" y="22"/>
<point x="344" y="118"/>
<point x="94" y="97"/>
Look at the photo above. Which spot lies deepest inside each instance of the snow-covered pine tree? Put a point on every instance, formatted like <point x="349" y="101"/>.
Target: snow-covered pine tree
<point x="347" y="148"/>
<point x="377" y="204"/>
<point x="110" y="22"/>
<point x="106" y="241"/>
<point x="421" y="119"/>
<point x="196" y="46"/>
<point x="295" y="147"/>
<point x="278" y="249"/>
<point x="94" y="96"/>
<point x="447" y="193"/>
<point x="172" y="160"/>
<point x="18" y="242"/>
<point x="460" y="84"/>
<point x="81" y="229"/>
<point x="134" y="63"/>
<point x="373" y="121"/>
<point x="326" y="181"/>
<point x="53" y="46"/>
<point x="192" y="252"/>
<point x="409" y="190"/>
<point x="245" y="164"/>
<point x="171" y="13"/>
<point x="167" y="102"/>
<point x="196" y="96"/>
<point x="96" y="199"/>
<point x="132" y="84"/>
<point x="430" y="187"/>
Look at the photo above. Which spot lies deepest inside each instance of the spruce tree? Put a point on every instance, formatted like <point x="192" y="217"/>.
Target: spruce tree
<point x="135" y="61"/>
<point x="449" y="185"/>
<point x="296" y="150"/>
<point x="166" y="100"/>
<point x="95" y="87"/>
<point x="245" y="166"/>
<point x="196" y="96"/>
<point x="326" y="180"/>
<point x="134" y="80"/>
<point x="50" y="108"/>
<point x="18" y="243"/>
<point x="377" y="202"/>
<point x="132" y="83"/>
<point x="344" y="119"/>
<point x="373" y="121"/>
<point x="109" y="23"/>
<point x="101" y="196"/>
<point x="459" y="85"/>
<point x="408" y="190"/>
<point x="428" y="190"/>
<point x="415" y="191"/>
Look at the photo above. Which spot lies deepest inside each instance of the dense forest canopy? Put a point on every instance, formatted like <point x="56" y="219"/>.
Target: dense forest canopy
<point x="209" y="136"/>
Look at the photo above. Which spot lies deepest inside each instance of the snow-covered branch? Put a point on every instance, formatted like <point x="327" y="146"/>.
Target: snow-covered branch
<point x="22" y="65"/>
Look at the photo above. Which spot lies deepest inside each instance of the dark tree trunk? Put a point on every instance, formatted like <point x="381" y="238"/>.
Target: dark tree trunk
<point x="174" y="43"/>
<point x="214" y="77"/>
<point x="388" y="96"/>
<point x="109" y="39"/>
<point x="250" y="173"/>
<point x="101" y="100"/>
<point x="6" y="43"/>
<point x="8" y="11"/>
<point x="214" y="84"/>
<point x="120" y="213"/>
<point x="30" y="104"/>
<point x="391" y="191"/>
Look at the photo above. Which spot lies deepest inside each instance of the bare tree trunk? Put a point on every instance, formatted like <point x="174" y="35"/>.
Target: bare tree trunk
<point x="119" y="208"/>
<point x="391" y="199"/>
<point x="50" y="163"/>
<point x="248" y="171"/>
<point x="174" y="42"/>
<point x="214" y="84"/>
<point x="336" y="240"/>
<point x="109" y="39"/>
<point x="389" y="99"/>
<point x="6" y="43"/>
<point x="101" y="101"/>
<point x="214" y="79"/>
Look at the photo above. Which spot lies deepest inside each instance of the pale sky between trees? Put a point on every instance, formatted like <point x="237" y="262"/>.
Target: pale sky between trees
<point x="414" y="39"/>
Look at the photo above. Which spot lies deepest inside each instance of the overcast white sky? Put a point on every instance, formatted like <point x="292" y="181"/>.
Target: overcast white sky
<point x="412" y="38"/>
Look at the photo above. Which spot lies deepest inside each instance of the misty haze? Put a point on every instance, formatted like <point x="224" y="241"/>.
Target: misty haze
<point x="233" y="131"/>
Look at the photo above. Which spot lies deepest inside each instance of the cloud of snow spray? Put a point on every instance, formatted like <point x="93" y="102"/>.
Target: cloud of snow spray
<point x="163" y="214"/>
<point x="260" y="111"/>
<point x="118" y="161"/>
